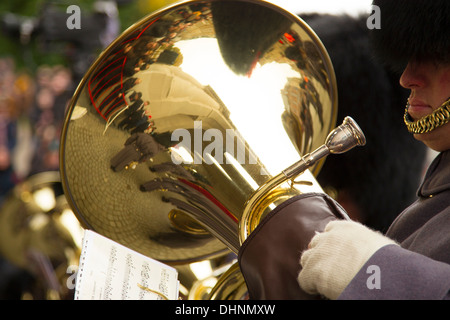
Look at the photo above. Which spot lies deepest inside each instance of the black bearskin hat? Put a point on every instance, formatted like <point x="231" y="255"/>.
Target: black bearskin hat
<point x="412" y="30"/>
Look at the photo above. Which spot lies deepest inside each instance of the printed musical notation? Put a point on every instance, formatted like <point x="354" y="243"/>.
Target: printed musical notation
<point x="111" y="271"/>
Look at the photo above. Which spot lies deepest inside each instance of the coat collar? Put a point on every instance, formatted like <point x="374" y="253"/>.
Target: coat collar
<point x="437" y="178"/>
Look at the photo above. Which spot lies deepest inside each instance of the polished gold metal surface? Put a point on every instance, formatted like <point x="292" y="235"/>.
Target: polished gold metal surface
<point x="188" y="113"/>
<point x="212" y="279"/>
<point x="230" y="286"/>
<point x="40" y="234"/>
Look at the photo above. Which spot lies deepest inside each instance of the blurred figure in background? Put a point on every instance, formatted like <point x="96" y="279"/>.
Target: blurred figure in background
<point x="378" y="181"/>
<point x="16" y="94"/>
<point x="54" y="89"/>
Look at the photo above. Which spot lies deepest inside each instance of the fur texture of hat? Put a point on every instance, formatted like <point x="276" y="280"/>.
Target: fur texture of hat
<point x="412" y="30"/>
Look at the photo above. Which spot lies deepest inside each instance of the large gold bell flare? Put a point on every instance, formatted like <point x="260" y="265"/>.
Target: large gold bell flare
<point x="184" y="116"/>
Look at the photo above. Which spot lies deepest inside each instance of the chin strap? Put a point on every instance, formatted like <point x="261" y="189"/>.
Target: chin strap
<point x="438" y="118"/>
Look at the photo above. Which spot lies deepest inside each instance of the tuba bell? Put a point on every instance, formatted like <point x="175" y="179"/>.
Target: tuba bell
<point x="176" y="137"/>
<point x="41" y="237"/>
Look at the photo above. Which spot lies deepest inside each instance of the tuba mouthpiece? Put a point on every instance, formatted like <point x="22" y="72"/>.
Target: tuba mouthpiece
<point x="345" y="137"/>
<point x="340" y="140"/>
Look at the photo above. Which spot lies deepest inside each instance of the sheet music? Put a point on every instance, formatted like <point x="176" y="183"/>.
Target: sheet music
<point x="111" y="271"/>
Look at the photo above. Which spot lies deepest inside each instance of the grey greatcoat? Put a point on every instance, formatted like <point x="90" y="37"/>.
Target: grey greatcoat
<point x="420" y="267"/>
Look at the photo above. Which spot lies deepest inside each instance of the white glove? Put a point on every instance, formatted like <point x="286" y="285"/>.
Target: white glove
<point x="336" y="255"/>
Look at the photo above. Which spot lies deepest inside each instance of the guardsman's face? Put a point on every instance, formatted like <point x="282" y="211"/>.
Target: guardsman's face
<point x="430" y="88"/>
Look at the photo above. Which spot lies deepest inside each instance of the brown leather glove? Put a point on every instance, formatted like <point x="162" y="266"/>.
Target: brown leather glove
<point x="270" y="257"/>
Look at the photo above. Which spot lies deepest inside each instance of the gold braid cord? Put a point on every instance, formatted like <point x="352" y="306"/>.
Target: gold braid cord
<point x="438" y="118"/>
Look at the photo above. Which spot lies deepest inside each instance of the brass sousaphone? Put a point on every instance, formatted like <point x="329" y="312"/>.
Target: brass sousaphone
<point x="182" y="135"/>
